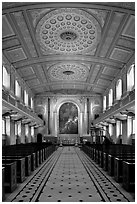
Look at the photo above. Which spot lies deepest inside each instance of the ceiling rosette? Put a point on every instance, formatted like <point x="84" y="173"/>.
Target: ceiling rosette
<point x="68" y="31"/>
<point x="68" y="71"/>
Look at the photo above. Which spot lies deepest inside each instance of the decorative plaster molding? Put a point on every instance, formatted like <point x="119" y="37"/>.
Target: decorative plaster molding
<point x="68" y="30"/>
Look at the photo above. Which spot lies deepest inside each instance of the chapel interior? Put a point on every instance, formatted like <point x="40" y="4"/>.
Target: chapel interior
<point x="68" y="102"/>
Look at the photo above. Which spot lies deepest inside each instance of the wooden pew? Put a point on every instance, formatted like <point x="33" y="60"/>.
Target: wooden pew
<point x="129" y="175"/>
<point x="22" y="151"/>
<point x="38" y="152"/>
<point x="40" y="156"/>
<point x="111" y="158"/>
<point x="27" y="162"/>
<point x="118" y="167"/>
<point x="10" y="183"/>
<point x="105" y="161"/>
<point x="101" y="158"/>
<point x="20" y="167"/>
<point x="3" y="181"/>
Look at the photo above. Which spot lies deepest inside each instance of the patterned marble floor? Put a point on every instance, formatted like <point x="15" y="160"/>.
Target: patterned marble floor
<point x="70" y="176"/>
<point x="69" y="181"/>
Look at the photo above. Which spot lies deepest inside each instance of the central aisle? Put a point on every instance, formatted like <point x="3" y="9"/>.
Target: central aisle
<point x="69" y="181"/>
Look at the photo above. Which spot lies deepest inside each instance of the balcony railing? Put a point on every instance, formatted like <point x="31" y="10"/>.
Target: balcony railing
<point x="129" y="98"/>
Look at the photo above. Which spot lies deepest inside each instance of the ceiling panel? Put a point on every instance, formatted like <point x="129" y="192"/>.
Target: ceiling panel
<point x="10" y="43"/>
<point x="22" y="26"/>
<point x="129" y="29"/>
<point x="38" y="90"/>
<point x="94" y="73"/>
<point x="98" y="90"/>
<point x="103" y="82"/>
<point x="120" y="55"/>
<point x="26" y="71"/>
<point x="109" y="71"/>
<point x="16" y="55"/>
<point x="127" y="43"/>
<point x="111" y="32"/>
<point x="33" y="82"/>
<point x="7" y="30"/>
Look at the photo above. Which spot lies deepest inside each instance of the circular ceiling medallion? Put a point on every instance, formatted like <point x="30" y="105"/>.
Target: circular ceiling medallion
<point x="68" y="36"/>
<point x="68" y="31"/>
<point x="68" y="71"/>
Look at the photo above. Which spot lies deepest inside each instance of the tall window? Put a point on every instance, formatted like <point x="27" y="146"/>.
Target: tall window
<point x="118" y="128"/>
<point x="130" y="78"/>
<point x="16" y="128"/>
<point x="104" y="103"/>
<point x="119" y="89"/>
<point x="5" y="78"/>
<point x="32" y="131"/>
<point x="26" y="97"/>
<point x="32" y="104"/>
<point x="129" y="126"/>
<point x="17" y="89"/>
<point x="121" y="128"/>
<point x="26" y="130"/>
<point x="110" y="97"/>
<point x="133" y="126"/>
<point x="110" y="129"/>
<point x="3" y="126"/>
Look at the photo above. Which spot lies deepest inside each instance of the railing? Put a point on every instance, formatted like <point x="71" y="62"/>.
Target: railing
<point x="129" y="99"/>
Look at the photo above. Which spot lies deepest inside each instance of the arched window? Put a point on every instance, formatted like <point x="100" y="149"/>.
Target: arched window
<point x="130" y="78"/>
<point x="17" y="89"/>
<point x="104" y="103"/>
<point x="5" y="78"/>
<point x="110" y="97"/>
<point x="119" y="89"/>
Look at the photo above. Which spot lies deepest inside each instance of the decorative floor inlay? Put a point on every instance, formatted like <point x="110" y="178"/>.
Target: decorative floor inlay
<point x="69" y="181"/>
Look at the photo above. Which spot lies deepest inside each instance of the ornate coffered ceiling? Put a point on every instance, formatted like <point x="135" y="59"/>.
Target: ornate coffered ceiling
<point x="68" y="72"/>
<point x="68" y="47"/>
<point x="68" y="31"/>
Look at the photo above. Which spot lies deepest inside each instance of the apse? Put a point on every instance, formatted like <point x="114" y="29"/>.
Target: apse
<point x="68" y="119"/>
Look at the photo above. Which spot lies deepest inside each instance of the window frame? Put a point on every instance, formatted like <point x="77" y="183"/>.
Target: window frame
<point x="104" y="103"/>
<point x="119" y="89"/>
<point x="4" y="128"/>
<point x="17" y="89"/>
<point x="110" y="97"/>
<point x="131" y="77"/>
<point x="6" y="79"/>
